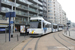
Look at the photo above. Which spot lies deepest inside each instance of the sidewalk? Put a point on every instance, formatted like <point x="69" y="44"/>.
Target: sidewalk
<point x="70" y="33"/>
<point x="10" y="45"/>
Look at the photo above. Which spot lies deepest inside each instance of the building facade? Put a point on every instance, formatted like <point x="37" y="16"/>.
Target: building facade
<point x="64" y="18"/>
<point x="55" y="12"/>
<point x="24" y="10"/>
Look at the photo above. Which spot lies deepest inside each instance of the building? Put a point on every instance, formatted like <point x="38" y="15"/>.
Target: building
<point x="64" y="18"/>
<point x="52" y="10"/>
<point x="55" y="12"/>
<point x="24" y="10"/>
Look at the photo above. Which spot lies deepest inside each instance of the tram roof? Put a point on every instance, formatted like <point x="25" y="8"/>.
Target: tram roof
<point x="60" y="25"/>
<point x="54" y="24"/>
<point x="47" y="22"/>
<point x="33" y="18"/>
<point x="39" y="18"/>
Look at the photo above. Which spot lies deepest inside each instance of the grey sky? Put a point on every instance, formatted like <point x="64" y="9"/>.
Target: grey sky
<point x="69" y="7"/>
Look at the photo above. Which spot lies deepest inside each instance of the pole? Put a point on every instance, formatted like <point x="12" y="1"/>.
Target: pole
<point x="15" y="15"/>
<point x="12" y="24"/>
<point x="9" y="28"/>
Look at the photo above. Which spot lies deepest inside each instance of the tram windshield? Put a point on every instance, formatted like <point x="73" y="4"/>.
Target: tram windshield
<point x="35" y="24"/>
<point x="55" y="26"/>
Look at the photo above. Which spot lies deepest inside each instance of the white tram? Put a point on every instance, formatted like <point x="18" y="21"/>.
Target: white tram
<point x="54" y="27"/>
<point x="38" y="26"/>
<point x="60" y="27"/>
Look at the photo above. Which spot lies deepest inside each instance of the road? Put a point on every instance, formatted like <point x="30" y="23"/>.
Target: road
<point x="52" y="41"/>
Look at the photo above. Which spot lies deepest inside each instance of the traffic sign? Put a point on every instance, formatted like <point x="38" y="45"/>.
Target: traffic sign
<point x="10" y="14"/>
<point x="11" y="22"/>
<point x="13" y="14"/>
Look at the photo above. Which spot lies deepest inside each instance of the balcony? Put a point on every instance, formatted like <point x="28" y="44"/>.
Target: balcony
<point x="33" y="5"/>
<point x="22" y="7"/>
<point x="32" y="15"/>
<point x="41" y="13"/>
<point x="4" y="10"/>
<point x="35" y="1"/>
<point x="32" y="10"/>
<point x="20" y="13"/>
<point x="8" y="3"/>
<point x="22" y="1"/>
<point x="40" y="8"/>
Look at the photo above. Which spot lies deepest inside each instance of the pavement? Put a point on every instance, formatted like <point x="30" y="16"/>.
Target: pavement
<point x="9" y="45"/>
<point x="70" y="33"/>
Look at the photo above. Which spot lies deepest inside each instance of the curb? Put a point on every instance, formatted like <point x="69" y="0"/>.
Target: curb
<point x="69" y="37"/>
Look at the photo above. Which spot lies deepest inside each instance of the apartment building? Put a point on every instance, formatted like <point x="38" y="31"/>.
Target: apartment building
<point x="50" y="11"/>
<point x="55" y="12"/>
<point x="24" y="10"/>
<point x="64" y="19"/>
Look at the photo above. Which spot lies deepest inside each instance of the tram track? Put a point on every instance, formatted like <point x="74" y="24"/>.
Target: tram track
<point x="61" y="42"/>
<point x="27" y="44"/>
<point x="66" y="40"/>
<point x="36" y="45"/>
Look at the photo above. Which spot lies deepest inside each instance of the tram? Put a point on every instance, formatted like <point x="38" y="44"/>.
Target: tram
<point x="60" y="27"/>
<point x="39" y="26"/>
<point x="54" y="27"/>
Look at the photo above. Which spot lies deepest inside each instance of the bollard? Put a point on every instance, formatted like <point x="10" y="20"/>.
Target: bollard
<point x="69" y="33"/>
<point x="24" y="35"/>
<point x="17" y="38"/>
<point x="5" y="35"/>
<point x="66" y="32"/>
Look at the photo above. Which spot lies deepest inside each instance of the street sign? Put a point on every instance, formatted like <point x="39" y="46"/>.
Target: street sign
<point x="10" y="14"/>
<point x="13" y="14"/>
<point x="11" y="22"/>
<point x="7" y="14"/>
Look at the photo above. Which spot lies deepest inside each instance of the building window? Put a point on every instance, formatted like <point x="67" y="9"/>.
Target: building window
<point x="54" y="5"/>
<point x="53" y="2"/>
<point x="50" y="17"/>
<point x="49" y="7"/>
<point x="50" y="14"/>
<point x="49" y="4"/>
<point x="49" y="1"/>
<point x="49" y="10"/>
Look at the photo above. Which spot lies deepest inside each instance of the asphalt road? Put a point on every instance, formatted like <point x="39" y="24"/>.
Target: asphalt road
<point x="51" y="41"/>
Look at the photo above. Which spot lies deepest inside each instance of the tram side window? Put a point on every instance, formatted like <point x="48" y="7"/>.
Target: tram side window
<point x="39" y="25"/>
<point x="50" y="26"/>
<point x="43" y="25"/>
<point x="47" y="26"/>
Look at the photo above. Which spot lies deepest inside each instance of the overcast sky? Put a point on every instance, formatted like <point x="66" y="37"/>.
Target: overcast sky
<point x="69" y="7"/>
